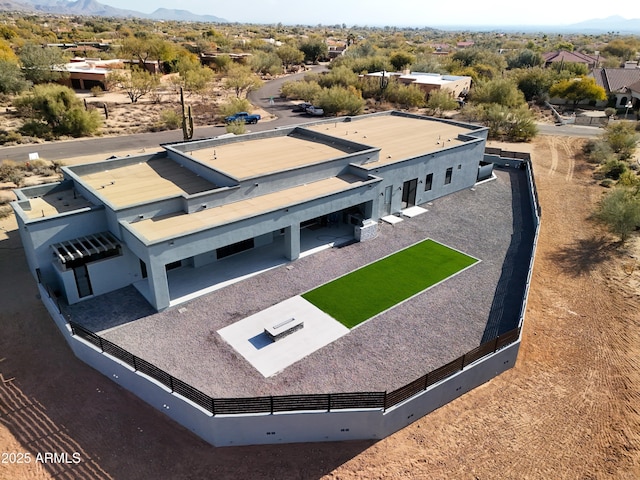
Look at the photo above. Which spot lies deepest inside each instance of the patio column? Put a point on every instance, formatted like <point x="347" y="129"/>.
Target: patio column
<point x="292" y="241"/>
<point x="158" y="285"/>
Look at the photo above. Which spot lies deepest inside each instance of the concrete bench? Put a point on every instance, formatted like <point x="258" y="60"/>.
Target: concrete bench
<point x="282" y="329"/>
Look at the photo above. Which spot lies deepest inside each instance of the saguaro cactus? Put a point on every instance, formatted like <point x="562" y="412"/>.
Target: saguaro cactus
<point x="187" y="119"/>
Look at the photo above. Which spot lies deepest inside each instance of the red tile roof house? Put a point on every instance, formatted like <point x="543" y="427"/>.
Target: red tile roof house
<point x="563" y="56"/>
<point x="623" y="83"/>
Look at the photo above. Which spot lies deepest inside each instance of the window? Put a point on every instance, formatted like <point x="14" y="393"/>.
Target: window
<point x="447" y="177"/>
<point x="428" y="182"/>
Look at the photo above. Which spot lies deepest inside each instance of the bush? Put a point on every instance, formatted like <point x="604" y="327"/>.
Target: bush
<point x="10" y="137"/>
<point x="54" y="110"/>
<point x="619" y="210"/>
<point x="302" y="90"/>
<point x="97" y="91"/>
<point x="613" y="168"/>
<point x="340" y="100"/>
<point x="170" y="119"/>
<point x="238" y="127"/>
<point x="607" y="183"/>
<point x="234" y="106"/>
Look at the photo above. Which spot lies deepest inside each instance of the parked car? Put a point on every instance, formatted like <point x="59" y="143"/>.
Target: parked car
<point x="242" y="117"/>
<point x="301" y="107"/>
<point x="314" y="111"/>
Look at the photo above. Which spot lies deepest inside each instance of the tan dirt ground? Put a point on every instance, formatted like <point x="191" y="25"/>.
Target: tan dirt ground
<point x="569" y="409"/>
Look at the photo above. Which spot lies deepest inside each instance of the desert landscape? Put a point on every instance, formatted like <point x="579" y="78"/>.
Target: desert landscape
<point x="567" y="410"/>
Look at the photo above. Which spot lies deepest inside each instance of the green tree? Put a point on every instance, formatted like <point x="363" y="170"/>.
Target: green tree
<point x="501" y="91"/>
<point x="524" y="59"/>
<point x="42" y="65"/>
<point x="314" y="49"/>
<point x="56" y="109"/>
<point x="619" y="211"/>
<point x="535" y="82"/>
<point x="405" y="96"/>
<point x="135" y="82"/>
<point x="266" y="63"/>
<point x="301" y="90"/>
<point x="289" y="55"/>
<point x="624" y="49"/>
<point x="6" y="52"/>
<point x="440" y="101"/>
<point x="578" y="90"/>
<point x="340" y="100"/>
<point x="401" y="60"/>
<point x="240" y="78"/>
<point x="12" y="78"/>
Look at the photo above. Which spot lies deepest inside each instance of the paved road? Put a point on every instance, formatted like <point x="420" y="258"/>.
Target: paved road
<point x="90" y="146"/>
<point x="569" y="130"/>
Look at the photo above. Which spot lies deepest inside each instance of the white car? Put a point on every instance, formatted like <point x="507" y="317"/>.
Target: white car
<point x="315" y="111"/>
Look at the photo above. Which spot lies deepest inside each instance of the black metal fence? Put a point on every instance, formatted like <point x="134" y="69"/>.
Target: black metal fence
<point x="291" y="403"/>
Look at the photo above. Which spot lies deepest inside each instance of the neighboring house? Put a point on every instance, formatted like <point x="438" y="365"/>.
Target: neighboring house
<point x="461" y="45"/>
<point x="86" y="73"/>
<point x="134" y="220"/>
<point x="617" y="82"/>
<point x="441" y="48"/>
<point x="563" y="56"/>
<point x="458" y="85"/>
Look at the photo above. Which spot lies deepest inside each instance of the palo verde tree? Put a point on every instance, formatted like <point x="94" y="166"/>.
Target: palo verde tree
<point x="578" y="90"/>
<point x="241" y="79"/>
<point x="54" y="110"/>
<point x="135" y="82"/>
<point x="42" y="65"/>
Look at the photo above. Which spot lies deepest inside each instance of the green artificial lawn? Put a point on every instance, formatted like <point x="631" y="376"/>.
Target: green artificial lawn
<point x="374" y="288"/>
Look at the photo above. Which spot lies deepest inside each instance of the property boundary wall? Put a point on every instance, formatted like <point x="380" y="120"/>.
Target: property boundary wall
<point x="304" y="418"/>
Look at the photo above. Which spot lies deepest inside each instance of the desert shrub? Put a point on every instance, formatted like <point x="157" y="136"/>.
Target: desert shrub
<point x="628" y="178"/>
<point x="613" y="168"/>
<point x="237" y="127"/>
<point x="5" y="211"/>
<point x="607" y="183"/>
<point x="619" y="211"/>
<point x="97" y="91"/>
<point x="170" y="119"/>
<point x="34" y="128"/>
<point x="235" y="105"/>
<point x="340" y="100"/>
<point x="7" y="136"/>
<point x="303" y="90"/>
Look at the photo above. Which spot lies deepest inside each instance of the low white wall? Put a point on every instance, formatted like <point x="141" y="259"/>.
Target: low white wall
<point x="287" y="427"/>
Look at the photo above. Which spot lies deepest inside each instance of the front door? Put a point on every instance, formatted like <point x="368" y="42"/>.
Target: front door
<point x="409" y="193"/>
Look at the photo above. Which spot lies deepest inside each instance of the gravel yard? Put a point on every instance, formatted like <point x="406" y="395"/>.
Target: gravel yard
<point x="385" y="352"/>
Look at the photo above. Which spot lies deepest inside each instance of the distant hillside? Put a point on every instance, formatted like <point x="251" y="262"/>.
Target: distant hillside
<point x="94" y="8"/>
<point x="610" y="24"/>
<point x="13" y="6"/>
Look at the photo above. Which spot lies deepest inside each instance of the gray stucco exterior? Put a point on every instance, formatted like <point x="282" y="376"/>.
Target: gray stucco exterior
<point x="374" y="188"/>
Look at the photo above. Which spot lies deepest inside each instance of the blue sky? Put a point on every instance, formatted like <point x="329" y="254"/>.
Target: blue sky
<point x="391" y="12"/>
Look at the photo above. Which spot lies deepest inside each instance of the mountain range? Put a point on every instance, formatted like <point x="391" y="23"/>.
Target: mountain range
<point x="94" y="8"/>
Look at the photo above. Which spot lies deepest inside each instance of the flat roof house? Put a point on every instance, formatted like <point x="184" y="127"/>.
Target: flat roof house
<point x="135" y="220"/>
<point x="457" y="85"/>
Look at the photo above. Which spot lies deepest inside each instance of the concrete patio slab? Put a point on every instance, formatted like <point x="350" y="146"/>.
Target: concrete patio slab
<point x="269" y="357"/>
<point x="391" y="219"/>
<point x="413" y="211"/>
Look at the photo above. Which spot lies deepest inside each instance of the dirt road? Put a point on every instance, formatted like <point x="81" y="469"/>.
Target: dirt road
<point x="568" y="410"/>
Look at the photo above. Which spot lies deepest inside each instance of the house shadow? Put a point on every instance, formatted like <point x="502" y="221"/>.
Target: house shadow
<point x="506" y="306"/>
